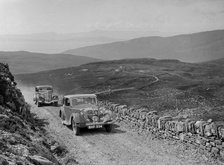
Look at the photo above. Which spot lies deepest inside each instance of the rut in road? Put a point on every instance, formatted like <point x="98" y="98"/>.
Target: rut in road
<point x="121" y="147"/>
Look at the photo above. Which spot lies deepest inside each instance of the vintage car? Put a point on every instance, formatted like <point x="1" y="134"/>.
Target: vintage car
<point x="44" y="95"/>
<point x="81" y="111"/>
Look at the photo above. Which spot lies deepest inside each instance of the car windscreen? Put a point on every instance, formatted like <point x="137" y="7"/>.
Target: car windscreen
<point x="83" y="100"/>
<point x="45" y="89"/>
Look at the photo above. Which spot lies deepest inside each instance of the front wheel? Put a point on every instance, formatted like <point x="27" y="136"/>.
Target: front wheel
<point x="75" y="128"/>
<point x="109" y="127"/>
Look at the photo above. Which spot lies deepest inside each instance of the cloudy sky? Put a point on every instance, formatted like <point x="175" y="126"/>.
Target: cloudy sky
<point x="69" y="16"/>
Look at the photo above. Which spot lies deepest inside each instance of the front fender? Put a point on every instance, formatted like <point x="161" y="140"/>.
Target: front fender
<point x="78" y="118"/>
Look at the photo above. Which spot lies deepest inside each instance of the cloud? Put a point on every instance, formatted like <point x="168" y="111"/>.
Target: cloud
<point x="25" y="16"/>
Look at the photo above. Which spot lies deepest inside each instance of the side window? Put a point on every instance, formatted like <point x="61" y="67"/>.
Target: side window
<point x="67" y="102"/>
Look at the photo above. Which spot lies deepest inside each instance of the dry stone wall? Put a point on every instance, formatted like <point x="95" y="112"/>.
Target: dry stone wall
<point x="206" y="135"/>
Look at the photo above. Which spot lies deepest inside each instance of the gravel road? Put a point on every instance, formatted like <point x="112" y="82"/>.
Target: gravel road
<point x="121" y="147"/>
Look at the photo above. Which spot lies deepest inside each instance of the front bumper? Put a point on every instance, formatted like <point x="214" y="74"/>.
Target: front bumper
<point x="96" y="124"/>
<point x="48" y="102"/>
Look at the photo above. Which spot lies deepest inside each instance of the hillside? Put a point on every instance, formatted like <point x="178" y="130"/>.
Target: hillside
<point x="168" y="86"/>
<point x="197" y="47"/>
<point x="29" y="62"/>
<point x="23" y="138"/>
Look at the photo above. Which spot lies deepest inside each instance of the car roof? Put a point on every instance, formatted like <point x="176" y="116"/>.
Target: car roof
<point x="41" y="86"/>
<point x="80" y="95"/>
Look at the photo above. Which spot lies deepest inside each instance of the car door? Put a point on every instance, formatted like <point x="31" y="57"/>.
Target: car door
<point x="67" y="109"/>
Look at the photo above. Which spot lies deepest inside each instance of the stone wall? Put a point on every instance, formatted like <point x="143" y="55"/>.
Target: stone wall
<point x="207" y="135"/>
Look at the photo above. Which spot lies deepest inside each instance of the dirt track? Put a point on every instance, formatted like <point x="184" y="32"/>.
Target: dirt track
<point x="122" y="146"/>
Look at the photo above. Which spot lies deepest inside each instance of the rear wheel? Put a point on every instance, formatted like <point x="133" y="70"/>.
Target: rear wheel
<point x="109" y="127"/>
<point x="75" y="128"/>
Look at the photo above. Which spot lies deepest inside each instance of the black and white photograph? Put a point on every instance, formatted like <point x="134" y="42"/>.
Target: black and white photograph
<point x="111" y="82"/>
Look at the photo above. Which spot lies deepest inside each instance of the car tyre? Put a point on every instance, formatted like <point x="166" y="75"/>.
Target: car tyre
<point x="75" y="128"/>
<point x="109" y="128"/>
<point x="60" y="114"/>
<point x="62" y="117"/>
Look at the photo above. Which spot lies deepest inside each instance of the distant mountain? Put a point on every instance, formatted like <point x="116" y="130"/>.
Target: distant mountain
<point x="125" y="35"/>
<point x="197" y="47"/>
<point x="29" y="62"/>
<point x="57" y="42"/>
<point x="50" y="42"/>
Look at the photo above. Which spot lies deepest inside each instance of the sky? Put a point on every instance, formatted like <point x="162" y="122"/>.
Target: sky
<point x="73" y="16"/>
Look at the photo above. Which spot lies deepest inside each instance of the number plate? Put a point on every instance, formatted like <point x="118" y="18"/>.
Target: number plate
<point x="95" y="126"/>
<point x="91" y="126"/>
<point x="98" y="126"/>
